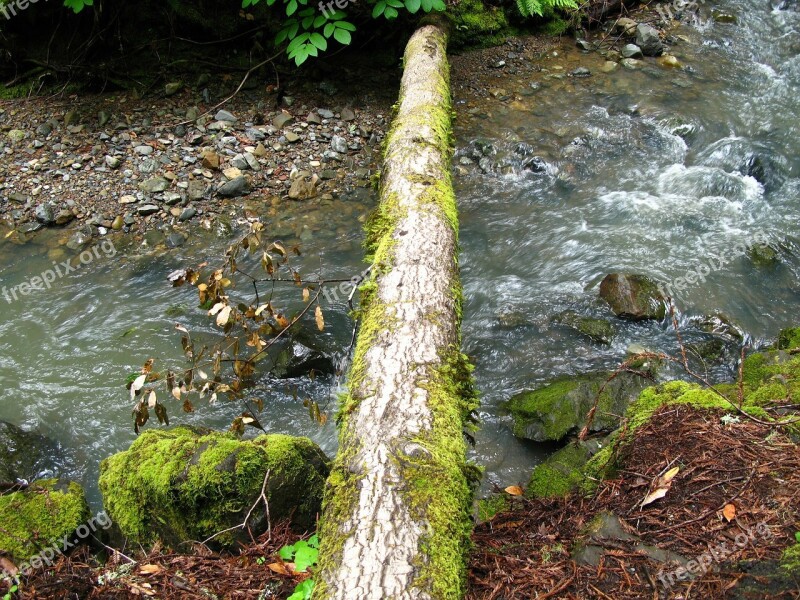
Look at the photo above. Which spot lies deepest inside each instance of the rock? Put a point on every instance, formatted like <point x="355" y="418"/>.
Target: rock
<point x="609" y="66"/>
<point x="27" y="456"/>
<point x="127" y="199"/>
<point x="118" y="223"/>
<point x="175" y="240"/>
<point x="292" y="137"/>
<point x="196" y="190"/>
<point x="44" y="130"/>
<point x="173" y="88"/>
<point x="154" y="185"/>
<point x="302" y="189"/>
<point x="580" y="72"/>
<point x="64" y="216"/>
<point x="559" y="408"/>
<point x="648" y="39"/>
<point x="224" y="115"/>
<point x="187" y="213"/>
<point x="147" y="209"/>
<point x="79" y="239"/>
<point x="721" y="16"/>
<point x="45" y="214"/>
<point x="29" y="227"/>
<point x="260" y="151"/>
<point x="232" y="173"/>
<point x="631" y="51"/>
<point x="634" y="297"/>
<point x="172" y="198"/>
<point x="325" y="113"/>
<point x="562" y="472"/>
<point x="70" y="117"/>
<point x="281" y="120"/>
<point x="103" y="118"/>
<point x="143" y="150"/>
<point x="631" y="63"/>
<point x="252" y="162"/>
<point x="239" y="162"/>
<point x="112" y="162"/>
<point x="763" y="255"/>
<point x="625" y="26"/>
<point x="670" y="62"/>
<point x="339" y="144"/>
<point x="583" y="45"/>
<point x="210" y="160"/>
<point x="298" y="360"/>
<point x="598" y="330"/>
<point x="16" y="135"/>
<point x="238" y="186"/>
<point x="719" y="324"/>
<point x="50" y="509"/>
<point x="184" y="484"/>
<point x="348" y="115"/>
<point x="313" y="118"/>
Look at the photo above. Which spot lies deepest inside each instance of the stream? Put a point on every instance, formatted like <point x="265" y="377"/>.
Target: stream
<point x="560" y="180"/>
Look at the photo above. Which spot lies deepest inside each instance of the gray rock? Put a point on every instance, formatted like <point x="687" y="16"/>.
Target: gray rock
<point x="325" y="113"/>
<point x="196" y="189"/>
<point x="44" y="130"/>
<point x="254" y="134"/>
<point x="188" y="213"/>
<point x="79" y="239"/>
<point x="147" y="209"/>
<point x="148" y="165"/>
<point x="648" y="40"/>
<point x="348" y="114"/>
<point x="583" y="45"/>
<point x="224" y="115"/>
<point x="237" y="186"/>
<point x="173" y="88"/>
<point x="634" y="297"/>
<point x="631" y="63"/>
<point x="171" y="198"/>
<point x="281" y="120"/>
<point x="29" y="227"/>
<point x="18" y="197"/>
<point x="252" y="161"/>
<point x="297" y="360"/>
<point x="45" y="214"/>
<point x="631" y="51"/>
<point x="154" y="185"/>
<point x="112" y="162"/>
<point x="339" y="144"/>
<point x="581" y="72"/>
<point x="143" y="150"/>
<point x="239" y="162"/>
<point x="313" y="118"/>
<point x="175" y="240"/>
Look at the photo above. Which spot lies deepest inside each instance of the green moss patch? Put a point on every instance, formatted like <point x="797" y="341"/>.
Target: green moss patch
<point x="561" y="473"/>
<point x="40" y="517"/>
<point x="187" y="484"/>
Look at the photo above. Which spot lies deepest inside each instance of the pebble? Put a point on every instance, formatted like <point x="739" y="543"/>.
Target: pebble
<point x="224" y="115"/>
<point x="147" y="209"/>
<point x="339" y="144"/>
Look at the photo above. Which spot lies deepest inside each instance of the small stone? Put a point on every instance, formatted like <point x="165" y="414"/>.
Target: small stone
<point x="339" y="144"/>
<point x="313" y="118"/>
<point x="175" y="240"/>
<point x="631" y="63"/>
<point x="235" y="187"/>
<point x="64" y="216"/>
<point x="609" y="66"/>
<point x="252" y="162"/>
<point x="112" y="162"/>
<point x="29" y="227"/>
<point x="44" y="130"/>
<point x="154" y="185"/>
<point x="103" y="118"/>
<point x="144" y="150"/>
<point x="292" y="137"/>
<point x="196" y="190"/>
<point x="70" y="118"/>
<point x="631" y="51"/>
<point x="232" y="173"/>
<point x="117" y="223"/>
<point x="239" y="162"/>
<point x="147" y="209"/>
<point x="16" y="135"/>
<point x="625" y="26"/>
<point x="224" y="115"/>
<point x="670" y="62"/>
<point x="348" y="115"/>
<point x="44" y="214"/>
<point x="171" y="198"/>
<point x="581" y="72"/>
<point x="127" y="199"/>
<point x="173" y="88"/>
<point x="281" y="120"/>
<point x="648" y="39"/>
<point x="254" y="134"/>
<point x="18" y="197"/>
<point x="187" y="213"/>
<point x="583" y="45"/>
<point x="325" y="113"/>
<point x="260" y="151"/>
<point x="210" y="160"/>
<point x="302" y="189"/>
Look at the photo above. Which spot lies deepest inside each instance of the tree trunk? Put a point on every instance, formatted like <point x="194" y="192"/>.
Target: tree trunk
<point x="395" y="520"/>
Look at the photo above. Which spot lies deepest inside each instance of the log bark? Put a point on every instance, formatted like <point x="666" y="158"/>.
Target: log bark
<point x="395" y="520"/>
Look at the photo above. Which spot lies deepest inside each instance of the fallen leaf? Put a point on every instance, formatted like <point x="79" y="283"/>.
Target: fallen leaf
<point x="662" y="486"/>
<point x="514" y="490"/>
<point x="729" y="512"/>
<point x="222" y="317"/>
<point x="149" y="569"/>
<point x="319" y="318"/>
<point x="655" y="495"/>
<point x="670" y="475"/>
<point x="279" y="568"/>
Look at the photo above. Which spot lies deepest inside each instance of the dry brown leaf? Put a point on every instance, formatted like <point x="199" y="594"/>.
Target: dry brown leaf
<point x="514" y="490"/>
<point x="149" y="569"/>
<point x="655" y="495"/>
<point x="279" y="568"/>
<point x="729" y="512"/>
<point x="320" y="320"/>
<point x="669" y="476"/>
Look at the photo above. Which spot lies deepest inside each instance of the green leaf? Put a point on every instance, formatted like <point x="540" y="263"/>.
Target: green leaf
<point x="395" y="3"/>
<point x="304" y="558"/>
<point x="379" y="8"/>
<point x="303" y="591"/>
<point x="797" y="536"/>
<point x="427" y="5"/>
<point x="328" y="31"/>
<point x="439" y="5"/>
<point x="346" y="25"/>
<point x="390" y="13"/>
<point x="337" y="16"/>
<point x="313" y="541"/>
<point x="291" y="8"/>
<point x="342" y="36"/>
<point x="413" y="5"/>
<point x="319" y="41"/>
<point x="319" y="21"/>
<point x="307" y="22"/>
<point x="286" y="553"/>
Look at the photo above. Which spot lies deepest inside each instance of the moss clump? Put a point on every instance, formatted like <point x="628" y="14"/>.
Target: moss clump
<point x="475" y="24"/>
<point x="789" y="338"/>
<point x="598" y="330"/>
<point x="187" y="484"/>
<point x="790" y="560"/>
<point x="40" y="517"/>
<point x="552" y="412"/>
<point x="489" y="507"/>
<point x="560" y="474"/>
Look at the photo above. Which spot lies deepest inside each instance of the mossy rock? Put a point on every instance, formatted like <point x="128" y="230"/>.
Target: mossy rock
<point x="189" y="484"/>
<point x="477" y="24"/>
<point x="554" y="411"/>
<point x="40" y="516"/>
<point x="597" y="330"/>
<point x="763" y="256"/>
<point x="634" y="297"/>
<point x="788" y="338"/>
<point x="490" y="506"/>
<point x="561" y="473"/>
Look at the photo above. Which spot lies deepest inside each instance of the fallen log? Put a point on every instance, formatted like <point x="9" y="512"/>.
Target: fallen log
<point x="396" y="514"/>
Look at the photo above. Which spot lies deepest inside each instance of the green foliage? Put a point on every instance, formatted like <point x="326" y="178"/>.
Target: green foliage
<point x="10" y="593"/>
<point x="78" y="5"/>
<point x="304" y="554"/>
<point x="530" y="8"/>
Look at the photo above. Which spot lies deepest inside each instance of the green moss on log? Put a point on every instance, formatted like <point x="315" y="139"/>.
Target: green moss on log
<point x="560" y="474"/>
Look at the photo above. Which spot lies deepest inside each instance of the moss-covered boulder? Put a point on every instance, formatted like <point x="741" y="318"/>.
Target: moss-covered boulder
<point x="562" y="472"/>
<point x="763" y="256"/>
<point x="788" y="338"/>
<point x="597" y="330"/>
<point x="40" y="516"/>
<point x="560" y="408"/>
<point x="634" y="297"/>
<point x="189" y="484"/>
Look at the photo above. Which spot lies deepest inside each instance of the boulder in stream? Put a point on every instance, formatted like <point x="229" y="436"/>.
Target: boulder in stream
<point x="27" y="455"/>
<point x="634" y="297"/>
<point x="188" y="483"/>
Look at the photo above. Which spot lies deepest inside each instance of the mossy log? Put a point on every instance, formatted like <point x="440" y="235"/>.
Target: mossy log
<point x="396" y="510"/>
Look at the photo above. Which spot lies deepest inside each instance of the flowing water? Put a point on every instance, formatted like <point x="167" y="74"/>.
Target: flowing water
<point x="651" y="171"/>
